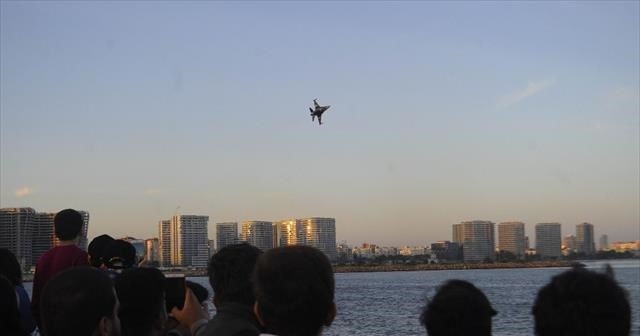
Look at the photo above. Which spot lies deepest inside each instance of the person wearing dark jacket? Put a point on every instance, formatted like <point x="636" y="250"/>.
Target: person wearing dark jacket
<point x="230" y="271"/>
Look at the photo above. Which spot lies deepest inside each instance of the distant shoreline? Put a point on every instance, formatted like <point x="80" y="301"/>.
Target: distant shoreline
<point x="443" y="267"/>
<point x="402" y="267"/>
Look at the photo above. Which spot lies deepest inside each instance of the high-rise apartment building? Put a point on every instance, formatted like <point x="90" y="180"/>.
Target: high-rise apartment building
<point x="569" y="243"/>
<point x="548" y="240"/>
<point x="456" y="235"/>
<point x="477" y="239"/>
<point x="29" y="234"/>
<point x="585" y="239"/>
<point x="164" y="242"/>
<point x="290" y="232"/>
<point x="189" y="242"/>
<point x="16" y="233"/>
<point x="258" y="234"/>
<point x="43" y="238"/>
<point x="603" y="243"/>
<point x="318" y="232"/>
<point x="321" y="233"/>
<point x="226" y="234"/>
<point x="152" y="251"/>
<point x="511" y="238"/>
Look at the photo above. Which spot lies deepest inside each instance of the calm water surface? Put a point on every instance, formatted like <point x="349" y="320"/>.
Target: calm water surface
<point x="389" y="303"/>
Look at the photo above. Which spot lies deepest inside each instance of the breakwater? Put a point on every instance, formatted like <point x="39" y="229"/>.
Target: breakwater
<point x="453" y="266"/>
<point x="28" y="277"/>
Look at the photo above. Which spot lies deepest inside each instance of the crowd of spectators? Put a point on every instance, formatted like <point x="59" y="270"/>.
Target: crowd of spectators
<point x="285" y="291"/>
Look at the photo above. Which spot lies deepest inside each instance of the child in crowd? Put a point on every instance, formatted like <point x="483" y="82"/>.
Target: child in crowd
<point x="67" y="227"/>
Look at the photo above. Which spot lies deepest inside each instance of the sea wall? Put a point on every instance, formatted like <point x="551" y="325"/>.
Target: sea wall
<point x="456" y="266"/>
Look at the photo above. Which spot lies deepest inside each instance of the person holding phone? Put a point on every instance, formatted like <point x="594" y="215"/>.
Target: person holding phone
<point x="173" y="327"/>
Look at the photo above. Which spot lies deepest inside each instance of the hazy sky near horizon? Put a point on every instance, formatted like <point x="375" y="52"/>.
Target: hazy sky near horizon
<point x="441" y="112"/>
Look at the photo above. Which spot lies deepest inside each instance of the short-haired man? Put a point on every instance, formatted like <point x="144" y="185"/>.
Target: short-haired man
<point x="80" y="301"/>
<point x="458" y="309"/>
<point x="582" y="302"/>
<point x="294" y="288"/>
<point x="141" y="292"/>
<point x="67" y="226"/>
<point x="230" y="271"/>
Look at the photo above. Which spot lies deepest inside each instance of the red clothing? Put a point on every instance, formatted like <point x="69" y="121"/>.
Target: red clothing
<point x="51" y="263"/>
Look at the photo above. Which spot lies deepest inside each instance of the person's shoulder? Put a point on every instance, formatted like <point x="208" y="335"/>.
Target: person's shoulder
<point x="80" y="256"/>
<point x="78" y="250"/>
<point x="43" y="260"/>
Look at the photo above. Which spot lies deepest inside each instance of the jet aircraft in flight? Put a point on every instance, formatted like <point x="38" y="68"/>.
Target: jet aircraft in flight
<point x="318" y="111"/>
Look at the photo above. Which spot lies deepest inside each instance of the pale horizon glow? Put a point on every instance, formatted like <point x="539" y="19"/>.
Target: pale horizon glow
<point x="440" y="113"/>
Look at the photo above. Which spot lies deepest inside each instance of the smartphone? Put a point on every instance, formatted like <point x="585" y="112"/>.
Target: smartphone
<point x="175" y="292"/>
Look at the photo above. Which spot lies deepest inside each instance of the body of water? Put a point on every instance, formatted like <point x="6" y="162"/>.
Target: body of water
<point x="390" y="303"/>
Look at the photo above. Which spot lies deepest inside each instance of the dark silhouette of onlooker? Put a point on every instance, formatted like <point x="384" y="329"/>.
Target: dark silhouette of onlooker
<point x="80" y="301"/>
<point x="10" y="323"/>
<point x="173" y="326"/>
<point x="582" y="302"/>
<point x="230" y="271"/>
<point x="119" y="255"/>
<point x="67" y="226"/>
<point x="97" y="250"/>
<point x="294" y="288"/>
<point x="141" y="292"/>
<point x="10" y="268"/>
<point x="457" y="309"/>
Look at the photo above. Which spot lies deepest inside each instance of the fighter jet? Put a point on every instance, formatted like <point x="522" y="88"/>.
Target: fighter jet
<point x="318" y="111"/>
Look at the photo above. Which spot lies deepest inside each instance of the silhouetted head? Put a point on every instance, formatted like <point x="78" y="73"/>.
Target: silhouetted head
<point x="458" y="308"/>
<point x="10" y="267"/>
<point x="98" y="250"/>
<point x="230" y="272"/>
<point x="80" y="301"/>
<point x="67" y="224"/>
<point x="582" y="302"/>
<point x="294" y="287"/>
<point x="141" y="292"/>
<point x="120" y="254"/>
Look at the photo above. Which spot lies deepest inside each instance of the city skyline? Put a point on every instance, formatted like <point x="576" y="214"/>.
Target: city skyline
<point x="213" y="226"/>
<point x="441" y="113"/>
<point x="182" y="240"/>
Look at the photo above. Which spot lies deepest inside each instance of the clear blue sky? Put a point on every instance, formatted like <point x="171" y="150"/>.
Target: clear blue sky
<point x="441" y="112"/>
